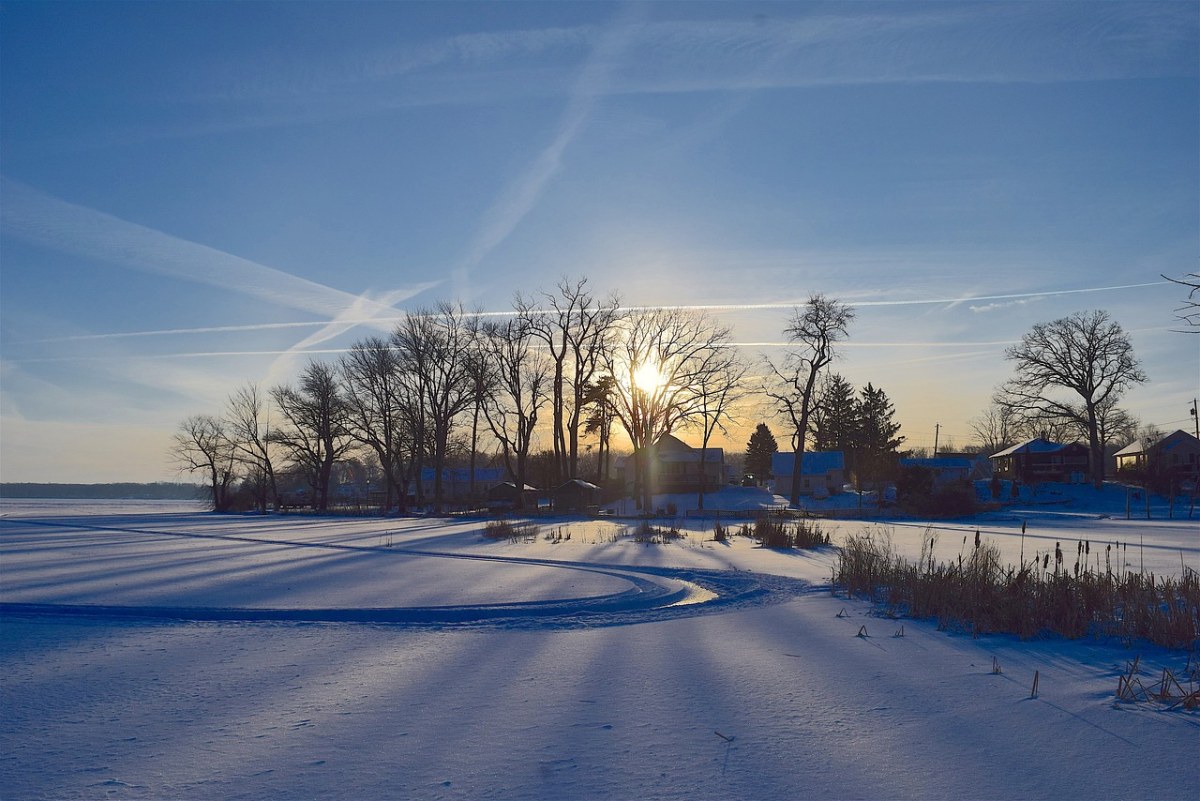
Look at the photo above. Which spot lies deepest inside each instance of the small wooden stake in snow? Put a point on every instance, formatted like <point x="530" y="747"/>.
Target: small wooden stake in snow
<point x="862" y="631"/>
<point x="900" y="631"/>
<point x="843" y="613"/>
<point x="1034" y="692"/>
<point x="996" y="671"/>
<point x="728" y="743"/>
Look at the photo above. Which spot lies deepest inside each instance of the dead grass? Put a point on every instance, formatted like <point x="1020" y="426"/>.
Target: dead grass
<point x="979" y="594"/>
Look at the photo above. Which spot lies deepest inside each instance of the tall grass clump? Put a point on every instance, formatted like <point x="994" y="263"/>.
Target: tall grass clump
<point x="646" y="533"/>
<point x="980" y="594"/>
<point x="520" y="532"/>
<point x="775" y="532"/>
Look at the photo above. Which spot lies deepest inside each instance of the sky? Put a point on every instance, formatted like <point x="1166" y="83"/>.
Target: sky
<point x="194" y="196"/>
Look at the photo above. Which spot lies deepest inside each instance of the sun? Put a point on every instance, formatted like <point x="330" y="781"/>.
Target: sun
<point x="647" y="377"/>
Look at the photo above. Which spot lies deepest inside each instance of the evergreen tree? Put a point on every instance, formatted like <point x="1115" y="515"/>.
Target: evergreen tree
<point x="759" y="450"/>
<point x="877" y="428"/>
<point x="835" y="418"/>
<point x="878" y="436"/>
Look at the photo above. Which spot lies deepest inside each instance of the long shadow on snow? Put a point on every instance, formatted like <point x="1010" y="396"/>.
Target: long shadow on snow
<point x="657" y="593"/>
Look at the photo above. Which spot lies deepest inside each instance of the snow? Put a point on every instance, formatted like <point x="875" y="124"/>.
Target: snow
<point x="196" y="656"/>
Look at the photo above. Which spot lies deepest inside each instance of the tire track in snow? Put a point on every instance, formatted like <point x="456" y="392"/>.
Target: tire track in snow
<point x="655" y="593"/>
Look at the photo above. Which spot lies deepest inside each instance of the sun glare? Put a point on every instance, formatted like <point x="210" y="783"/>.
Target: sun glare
<point x="647" y="377"/>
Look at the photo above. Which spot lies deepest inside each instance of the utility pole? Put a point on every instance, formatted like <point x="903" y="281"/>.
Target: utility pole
<point x="937" y="429"/>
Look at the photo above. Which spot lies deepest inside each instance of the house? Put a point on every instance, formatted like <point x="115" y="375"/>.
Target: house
<point x="1040" y="459"/>
<point x="675" y="467"/>
<point x="576" y="495"/>
<point x="946" y="470"/>
<point x="457" y="484"/>
<point x="1176" y="455"/>
<point x="822" y="473"/>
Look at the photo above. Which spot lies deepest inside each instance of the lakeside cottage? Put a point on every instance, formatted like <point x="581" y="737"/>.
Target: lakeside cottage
<point x="1176" y="455"/>
<point x="1039" y="459"/>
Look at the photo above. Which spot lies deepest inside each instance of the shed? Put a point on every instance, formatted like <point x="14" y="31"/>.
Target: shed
<point x="576" y="495"/>
<point x="507" y="496"/>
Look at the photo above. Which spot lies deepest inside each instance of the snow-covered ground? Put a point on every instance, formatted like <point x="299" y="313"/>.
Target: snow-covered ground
<point x="197" y="656"/>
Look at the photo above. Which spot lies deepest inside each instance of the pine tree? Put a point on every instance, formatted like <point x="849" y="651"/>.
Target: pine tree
<point x="835" y="418"/>
<point x="877" y="436"/>
<point x="759" y="450"/>
<point x="877" y="430"/>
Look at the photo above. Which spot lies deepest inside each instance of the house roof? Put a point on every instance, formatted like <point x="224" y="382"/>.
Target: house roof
<point x="672" y="449"/>
<point x="938" y="463"/>
<point x="577" y="483"/>
<point x="462" y="475"/>
<point x="509" y="485"/>
<point x="1167" y="443"/>
<point x="812" y="463"/>
<point x="1035" y="445"/>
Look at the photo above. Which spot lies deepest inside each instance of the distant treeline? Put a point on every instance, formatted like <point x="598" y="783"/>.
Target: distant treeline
<point x="158" y="491"/>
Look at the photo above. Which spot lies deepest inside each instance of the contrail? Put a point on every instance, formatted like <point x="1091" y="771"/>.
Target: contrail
<point x="520" y="197"/>
<point x="714" y="307"/>
<point x="48" y="221"/>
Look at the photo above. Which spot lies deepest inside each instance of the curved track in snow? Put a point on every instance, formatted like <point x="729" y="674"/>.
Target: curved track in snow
<point x="650" y="594"/>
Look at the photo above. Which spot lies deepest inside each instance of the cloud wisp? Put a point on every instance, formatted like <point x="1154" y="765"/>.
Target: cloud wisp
<point x="36" y="217"/>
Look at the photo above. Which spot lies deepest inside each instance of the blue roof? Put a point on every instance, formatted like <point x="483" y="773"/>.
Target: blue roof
<point x="813" y="463"/>
<point x="938" y="463"/>
<point x="462" y="475"/>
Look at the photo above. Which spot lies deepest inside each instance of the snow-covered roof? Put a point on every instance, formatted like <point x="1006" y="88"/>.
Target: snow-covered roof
<point x="1132" y="449"/>
<point x="577" y="483"/>
<point x="812" y="463"/>
<point x="1035" y="445"/>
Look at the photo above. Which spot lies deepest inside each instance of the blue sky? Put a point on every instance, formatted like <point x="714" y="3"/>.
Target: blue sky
<point x="198" y="195"/>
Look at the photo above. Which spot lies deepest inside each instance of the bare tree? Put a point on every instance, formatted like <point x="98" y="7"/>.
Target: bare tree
<point x="661" y="358"/>
<point x="1189" y="312"/>
<point x="375" y="411"/>
<point x="995" y="429"/>
<point x="519" y="384"/>
<point x="248" y="422"/>
<point x="1072" y="369"/>
<point x="435" y="349"/>
<point x="316" y="433"/>
<point x="202" y="444"/>
<point x="482" y="384"/>
<point x="719" y="388"/>
<point x="813" y="331"/>
<point x="576" y="329"/>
